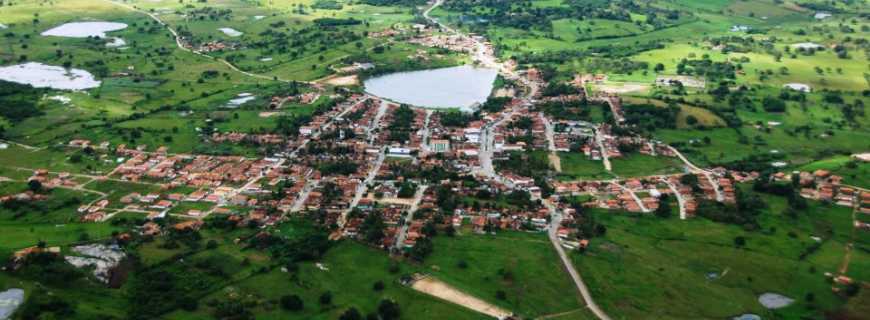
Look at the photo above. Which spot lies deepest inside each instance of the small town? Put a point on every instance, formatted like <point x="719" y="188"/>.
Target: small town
<point x="430" y="165"/>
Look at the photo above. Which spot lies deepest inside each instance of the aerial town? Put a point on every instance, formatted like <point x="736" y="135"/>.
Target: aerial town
<point x="569" y="187"/>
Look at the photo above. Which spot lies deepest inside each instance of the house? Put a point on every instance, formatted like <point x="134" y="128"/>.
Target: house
<point x="439" y="145"/>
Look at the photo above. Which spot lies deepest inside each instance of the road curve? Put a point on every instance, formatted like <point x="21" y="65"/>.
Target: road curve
<point x="183" y="48"/>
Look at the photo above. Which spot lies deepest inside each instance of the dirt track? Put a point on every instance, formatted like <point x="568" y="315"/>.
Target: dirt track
<point x="444" y="291"/>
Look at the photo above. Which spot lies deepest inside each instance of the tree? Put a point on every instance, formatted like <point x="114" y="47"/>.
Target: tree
<point x="378" y="286"/>
<point x="326" y="298"/>
<point x="659" y="67"/>
<point x="351" y="314"/>
<point x="690" y="180"/>
<point x="773" y="104"/>
<point x="292" y="303"/>
<point x="429" y="229"/>
<point x="388" y="310"/>
<point x="664" y="209"/>
<point x="373" y="228"/>
<point x="34" y="185"/>
<point x="422" y="249"/>
<point x="739" y="241"/>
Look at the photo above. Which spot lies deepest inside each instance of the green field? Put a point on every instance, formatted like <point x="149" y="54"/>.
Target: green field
<point x="577" y="165"/>
<point x="512" y="262"/>
<point x="854" y="172"/>
<point x="645" y="266"/>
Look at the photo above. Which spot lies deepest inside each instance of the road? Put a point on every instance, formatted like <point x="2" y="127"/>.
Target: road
<point x="681" y="202"/>
<point x="180" y="44"/>
<point x="555" y="222"/>
<point x="303" y="195"/>
<point x="706" y="173"/>
<point x="363" y="187"/>
<point x="551" y="143"/>
<point x="409" y="215"/>
<point x="599" y="140"/>
<point x="633" y="196"/>
<point x="484" y="55"/>
<point x="424" y="140"/>
<point x="382" y="109"/>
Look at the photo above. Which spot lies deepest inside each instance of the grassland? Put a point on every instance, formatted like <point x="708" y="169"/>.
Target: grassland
<point x="512" y="262"/>
<point x="645" y="266"/>
<point x="350" y="286"/>
<point x="854" y="172"/>
<point x="638" y="165"/>
<point x="577" y="165"/>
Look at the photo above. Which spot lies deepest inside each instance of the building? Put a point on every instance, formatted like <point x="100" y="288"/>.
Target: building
<point x="440" y="145"/>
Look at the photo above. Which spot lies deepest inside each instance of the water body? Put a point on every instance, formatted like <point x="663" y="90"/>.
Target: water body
<point x="46" y="76"/>
<point x="9" y="301"/>
<point x="455" y="87"/>
<point x="747" y="316"/>
<point x="115" y="42"/>
<point x="774" y="300"/>
<point x="231" y="32"/>
<point x="240" y="99"/>
<point x="84" y="29"/>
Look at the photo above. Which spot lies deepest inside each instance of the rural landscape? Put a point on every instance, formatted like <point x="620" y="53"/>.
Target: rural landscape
<point x="434" y="159"/>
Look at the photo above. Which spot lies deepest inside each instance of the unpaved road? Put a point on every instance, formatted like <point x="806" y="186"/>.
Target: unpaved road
<point x="438" y="289"/>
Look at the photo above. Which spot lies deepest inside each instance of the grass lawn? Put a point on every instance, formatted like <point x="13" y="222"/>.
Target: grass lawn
<point x="352" y="271"/>
<point x="576" y="165"/>
<point x="638" y="165"/>
<point x="523" y="265"/>
<point x="797" y="149"/>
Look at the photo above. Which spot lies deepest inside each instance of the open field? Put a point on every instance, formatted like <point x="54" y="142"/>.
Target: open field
<point x="646" y="263"/>
<point x="512" y="262"/>
<point x="854" y="172"/>
<point x="577" y="165"/>
<point x="350" y="286"/>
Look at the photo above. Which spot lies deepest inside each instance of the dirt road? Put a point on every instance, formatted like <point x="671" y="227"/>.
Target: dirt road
<point x="436" y="288"/>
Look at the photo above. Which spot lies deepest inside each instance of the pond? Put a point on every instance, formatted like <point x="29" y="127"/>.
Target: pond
<point x="115" y="42"/>
<point x="239" y="100"/>
<point x="774" y="300"/>
<point x="9" y="301"/>
<point x="84" y="29"/>
<point x="747" y="316"/>
<point x="46" y="76"/>
<point x="455" y="87"/>
<point x="231" y="32"/>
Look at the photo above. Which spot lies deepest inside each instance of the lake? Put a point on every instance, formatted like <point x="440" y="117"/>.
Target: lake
<point x="774" y="300"/>
<point x="84" y="29"/>
<point x="46" y="76"/>
<point x="455" y="87"/>
<point x="231" y="32"/>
